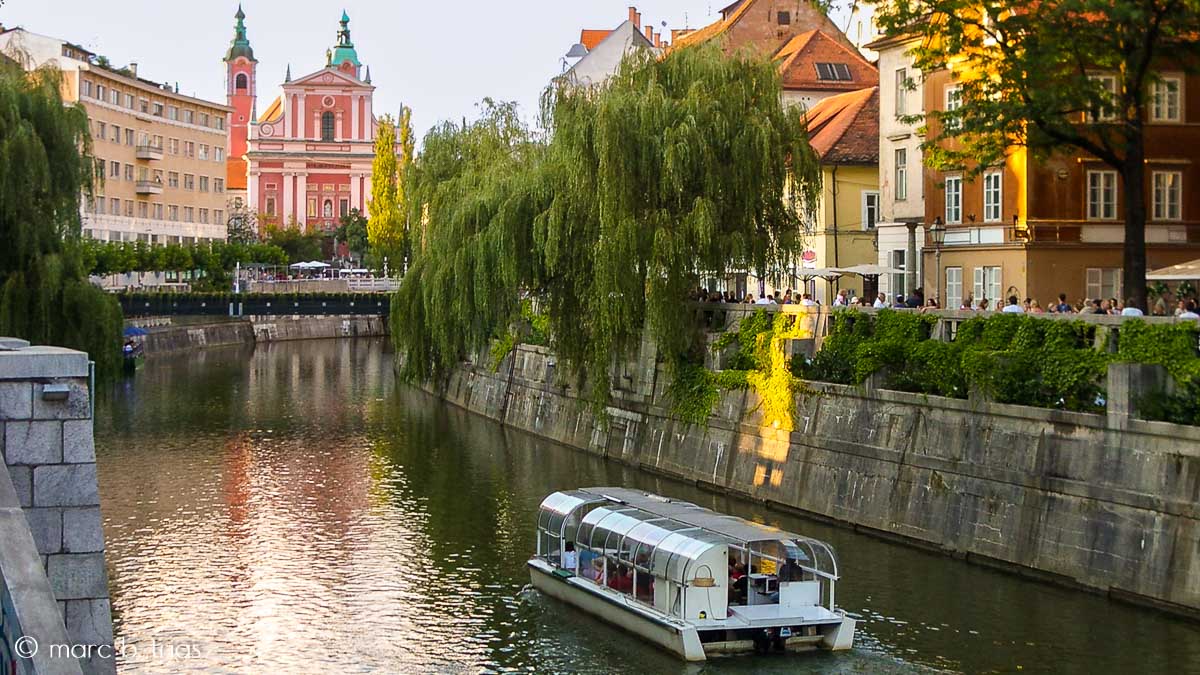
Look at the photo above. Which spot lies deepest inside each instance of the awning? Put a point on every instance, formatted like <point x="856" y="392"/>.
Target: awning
<point x="870" y="270"/>
<point x="1187" y="271"/>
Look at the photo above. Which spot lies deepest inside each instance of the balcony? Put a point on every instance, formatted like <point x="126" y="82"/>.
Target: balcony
<point x="154" y="152"/>
<point x="149" y="187"/>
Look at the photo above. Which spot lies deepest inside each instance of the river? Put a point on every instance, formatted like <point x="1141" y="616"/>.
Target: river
<point x="291" y="508"/>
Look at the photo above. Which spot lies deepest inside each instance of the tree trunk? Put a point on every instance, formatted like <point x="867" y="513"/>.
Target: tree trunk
<point x="1133" y="178"/>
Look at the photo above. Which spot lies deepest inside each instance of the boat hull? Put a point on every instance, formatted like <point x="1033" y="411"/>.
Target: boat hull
<point x="678" y="638"/>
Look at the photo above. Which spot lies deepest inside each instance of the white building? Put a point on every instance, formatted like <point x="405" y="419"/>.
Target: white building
<point x="902" y="211"/>
<point x="604" y="50"/>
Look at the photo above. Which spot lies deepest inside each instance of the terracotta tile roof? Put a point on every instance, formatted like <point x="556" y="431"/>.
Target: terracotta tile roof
<point x="798" y="61"/>
<point x="590" y="38"/>
<point x="273" y="112"/>
<point x="844" y="129"/>
<point x="714" y="29"/>
<point x="235" y="174"/>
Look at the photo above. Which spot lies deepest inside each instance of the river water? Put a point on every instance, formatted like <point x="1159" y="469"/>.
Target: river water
<point x="292" y="509"/>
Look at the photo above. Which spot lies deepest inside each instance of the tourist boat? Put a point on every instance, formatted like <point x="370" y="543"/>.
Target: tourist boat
<point x="696" y="582"/>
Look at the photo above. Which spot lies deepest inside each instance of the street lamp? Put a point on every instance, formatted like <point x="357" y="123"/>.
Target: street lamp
<point x="938" y="234"/>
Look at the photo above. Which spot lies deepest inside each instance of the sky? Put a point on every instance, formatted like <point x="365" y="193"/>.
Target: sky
<point x="439" y="58"/>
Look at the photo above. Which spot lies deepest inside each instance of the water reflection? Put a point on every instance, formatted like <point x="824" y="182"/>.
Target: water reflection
<point x="291" y="510"/>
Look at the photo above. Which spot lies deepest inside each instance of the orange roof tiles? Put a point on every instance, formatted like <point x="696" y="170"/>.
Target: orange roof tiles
<point x="590" y="38"/>
<point x="845" y="128"/>
<point x="714" y="29"/>
<point x="273" y="112"/>
<point x="798" y="58"/>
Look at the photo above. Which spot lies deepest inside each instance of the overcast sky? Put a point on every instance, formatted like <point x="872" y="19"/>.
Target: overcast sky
<point x="440" y="58"/>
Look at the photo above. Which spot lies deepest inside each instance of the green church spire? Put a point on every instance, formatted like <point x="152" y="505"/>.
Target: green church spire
<point x="344" y="50"/>
<point x="240" y="46"/>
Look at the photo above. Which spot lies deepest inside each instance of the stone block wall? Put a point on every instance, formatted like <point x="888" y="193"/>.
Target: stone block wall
<point x="49" y="450"/>
<point x="1105" y="502"/>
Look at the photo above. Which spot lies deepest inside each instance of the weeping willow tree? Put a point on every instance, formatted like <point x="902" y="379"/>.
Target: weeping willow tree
<point x="45" y="152"/>
<point x="674" y="168"/>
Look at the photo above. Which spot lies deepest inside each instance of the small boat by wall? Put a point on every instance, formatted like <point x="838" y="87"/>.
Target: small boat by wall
<point x="691" y="580"/>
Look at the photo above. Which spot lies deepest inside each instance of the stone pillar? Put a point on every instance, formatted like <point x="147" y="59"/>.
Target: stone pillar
<point x="252" y="201"/>
<point x="300" y="128"/>
<point x="288" y="194"/>
<point x="354" y="117"/>
<point x="910" y="263"/>
<point x="302" y="198"/>
<point x="1128" y="383"/>
<point x="339" y="133"/>
<point x="45" y="410"/>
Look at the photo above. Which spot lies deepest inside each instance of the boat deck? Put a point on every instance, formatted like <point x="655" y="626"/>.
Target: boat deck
<point x="766" y="616"/>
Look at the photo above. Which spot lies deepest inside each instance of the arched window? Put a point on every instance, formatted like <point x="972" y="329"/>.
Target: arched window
<point x="328" y="209"/>
<point x="327" y="126"/>
<point x="240" y="82"/>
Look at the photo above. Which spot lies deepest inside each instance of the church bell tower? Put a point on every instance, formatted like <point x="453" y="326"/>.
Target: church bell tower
<point x="241" y="68"/>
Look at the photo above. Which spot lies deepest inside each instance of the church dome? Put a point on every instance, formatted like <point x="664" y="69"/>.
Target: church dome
<point x="240" y="46"/>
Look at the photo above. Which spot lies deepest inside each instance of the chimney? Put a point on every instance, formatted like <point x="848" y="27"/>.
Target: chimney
<point x="633" y="16"/>
<point x="133" y="68"/>
<point x="657" y="39"/>
<point x="649" y="30"/>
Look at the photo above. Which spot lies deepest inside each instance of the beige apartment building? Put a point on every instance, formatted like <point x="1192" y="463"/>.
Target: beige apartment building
<point x="163" y="153"/>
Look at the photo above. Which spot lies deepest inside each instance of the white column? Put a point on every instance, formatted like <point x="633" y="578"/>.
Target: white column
<point x="366" y="191"/>
<point x="287" y="114"/>
<point x="355" y="194"/>
<point x="302" y="198"/>
<point x="288" y="177"/>
<point x="354" y="117"/>
<point x="338" y="134"/>
<point x="300" y="118"/>
<point x="316" y="134"/>
<point x="370" y="135"/>
<point x="252" y="193"/>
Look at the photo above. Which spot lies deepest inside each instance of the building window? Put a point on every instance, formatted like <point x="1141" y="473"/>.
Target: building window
<point x="114" y="170"/>
<point x="218" y="216"/>
<point x="834" y="72"/>
<point x="158" y="110"/>
<point x="129" y="101"/>
<point x="158" y="211"/>
<point x="901" y="174"/>
<point x="116" y="134"/>
<point x="187" y="116"/>
<point x="219" y="185"/>
<point x="158" y="142"/>
<point x="86" y="88"/>
<point x="144" y="105"/>
<point x="204" y="183"/>
<point x="1165" y="103"/>
<point x="218" y="154"/>
<point x="1103" y="282"/>
<point x="1167" y="195"/>
<point x="172" y="113"/>
<point x="189" y="181"/>
<point x="189" y="214"/>
<point x="128" y="172"/>
<point x="114" y="206"/>
<point x="173" y="213"/>
<point x="173" y="146"/>
<point x="204" y="216"/>
<point x="98" y="205"/>
<point x="241" y="82"/>
<point x="1105" y="110"/>
<point x="1102" y="195"/>
<point x="129" y="137"/>
<point x="987" y="285"/>
<point x="327" y="126"/>
<point x="204" y="119"/>
<point x="143" y="209"/>
<point x="114" y="97"/>
<point x="129" y="208"/>
<point x="101" y="130"/>
<point x="203" y="152"/>
<point x="991" y="196"/>
<point x="312" y="207"/>
<point x="343" y="207"/>
<point x="784" y="18"/>
<point x="219" y="122"/>
<point x="870" y="209"/>
<point x="954" y="289"/>
<point x="901" y="91"/>
<point x="953" y="102"/>
<point x="270" y="206"/>
<point x="173" y="179"/>
<point x="954" y="199"/>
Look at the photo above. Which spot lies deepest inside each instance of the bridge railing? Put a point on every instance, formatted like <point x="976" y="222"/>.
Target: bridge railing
<point x="254" y="304"/>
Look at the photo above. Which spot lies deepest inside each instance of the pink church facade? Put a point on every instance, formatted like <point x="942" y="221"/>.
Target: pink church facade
<point x="308" y="155"/>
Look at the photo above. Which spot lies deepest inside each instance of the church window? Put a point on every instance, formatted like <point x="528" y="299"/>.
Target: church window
<point x="327" y="126"/>
<point x="241" y="82"/>
<point x="343" y="207"/>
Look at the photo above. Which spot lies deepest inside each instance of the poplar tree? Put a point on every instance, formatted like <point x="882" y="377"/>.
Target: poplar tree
<point x="45" y="152"/>
<point x="386" y="226"/>
<point x="1035" y="74"/>
<point x="675" y="168"/>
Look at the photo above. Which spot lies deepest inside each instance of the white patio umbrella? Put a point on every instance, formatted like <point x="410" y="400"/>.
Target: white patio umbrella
<point x="1188" y="271"/>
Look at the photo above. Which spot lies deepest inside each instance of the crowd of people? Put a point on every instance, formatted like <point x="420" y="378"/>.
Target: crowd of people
<point x="1184" y="308"/>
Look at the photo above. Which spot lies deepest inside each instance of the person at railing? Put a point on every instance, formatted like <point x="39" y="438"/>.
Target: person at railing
<point x="1035" y="307"/>
<point x="842" y="299"/>
<point x="766" y="299"/>
<point x="968" y="303"/>
<point x="1013" y="306"/>
<point x="787" y="297"/>
<point x="983" y="305"/>
<point x="1063" y="307"/>
<point x="1189" y="311"/>
<point x="881" y="302"/>
<point x="1131" y="310"/>
<point x="931" y="305"/>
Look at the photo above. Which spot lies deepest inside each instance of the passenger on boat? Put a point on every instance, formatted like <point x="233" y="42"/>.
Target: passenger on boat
<point x="621" y="580"/>
<point x="570" y="559"/>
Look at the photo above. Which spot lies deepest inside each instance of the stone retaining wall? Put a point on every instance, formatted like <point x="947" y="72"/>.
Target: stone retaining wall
<point x="174" y="338"/>
<point x="46" y="415"/>
<point x="1107" y="503"/>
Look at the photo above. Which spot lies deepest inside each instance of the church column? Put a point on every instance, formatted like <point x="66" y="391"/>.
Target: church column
<point x="287" y="198"/>
<point x="366" y="189"/>
<point x="287" y="113"/>
<point x="316" y="134"/>
<point x="300" y="133"/>
<point x="354" y="117"/>
<point x="355" y="194"/>
<point x="338" y="134"/>
<point x="252" y="192"/>
<point x="302" y="198"/>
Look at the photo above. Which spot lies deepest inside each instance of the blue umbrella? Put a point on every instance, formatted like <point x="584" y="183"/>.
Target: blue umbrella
<point x="134" y="331"/>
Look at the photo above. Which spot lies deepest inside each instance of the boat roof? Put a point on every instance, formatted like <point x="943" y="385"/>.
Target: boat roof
<point x="732" y="527"/>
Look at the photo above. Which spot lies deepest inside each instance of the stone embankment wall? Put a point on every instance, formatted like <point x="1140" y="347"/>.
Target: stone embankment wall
<point x="50" y="459"/>
<point x="180" y="337"/>
<point x="1108" y="503"/>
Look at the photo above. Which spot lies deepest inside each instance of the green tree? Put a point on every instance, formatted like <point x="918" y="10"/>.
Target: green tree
<point x="1030" y="75"/>
<point x="297" y="246"/>
<point x="45" y="150"/>
<point x="242" y="226"/>
<point x="385" y="228"/>
<point x="352" y="229"/>
<point x="674" y="167"/>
